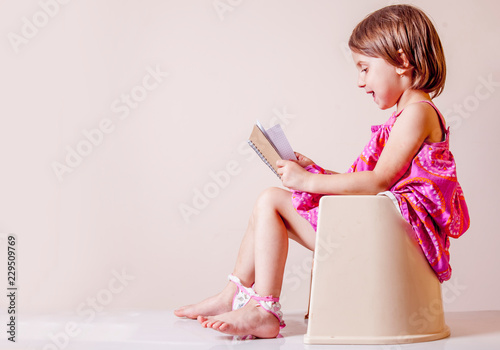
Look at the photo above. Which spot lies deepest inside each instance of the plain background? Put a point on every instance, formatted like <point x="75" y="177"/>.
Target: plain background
<point x="118" y="210"/>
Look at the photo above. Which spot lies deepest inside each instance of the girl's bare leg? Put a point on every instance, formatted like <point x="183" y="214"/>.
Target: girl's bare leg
<point x="244" y="269"/>
<point x="274" y="221"/>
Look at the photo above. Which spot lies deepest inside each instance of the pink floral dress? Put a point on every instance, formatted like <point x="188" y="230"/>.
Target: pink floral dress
<point x="429" y="195"/>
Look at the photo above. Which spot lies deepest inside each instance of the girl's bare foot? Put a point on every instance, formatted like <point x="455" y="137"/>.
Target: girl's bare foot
<point x="249" y="320"/>
<point x="215" y="305"/>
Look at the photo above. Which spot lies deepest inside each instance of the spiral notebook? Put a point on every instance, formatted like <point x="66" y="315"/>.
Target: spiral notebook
<point x="271" y="145"/>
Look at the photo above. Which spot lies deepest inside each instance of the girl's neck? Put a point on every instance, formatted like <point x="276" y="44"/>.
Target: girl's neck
<point x="411" y="96"/>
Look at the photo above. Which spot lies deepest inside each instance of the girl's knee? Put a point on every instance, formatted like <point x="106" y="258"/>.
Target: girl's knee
<point x="270" y="198"/>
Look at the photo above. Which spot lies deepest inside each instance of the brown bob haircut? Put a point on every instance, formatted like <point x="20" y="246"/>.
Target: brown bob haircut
<point x="408" y="29"/>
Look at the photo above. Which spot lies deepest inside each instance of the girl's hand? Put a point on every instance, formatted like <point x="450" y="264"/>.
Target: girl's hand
<point x="303" y="161"/>
<point x="293" y="175"/>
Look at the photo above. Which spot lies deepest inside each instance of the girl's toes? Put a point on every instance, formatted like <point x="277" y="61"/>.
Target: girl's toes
<point x="216" y="324"/>
<point x="206" y="322"/>
<point x="223" y="327"/>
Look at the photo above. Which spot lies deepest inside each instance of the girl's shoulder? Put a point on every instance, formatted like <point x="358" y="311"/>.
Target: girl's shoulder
<point x="424" y="108"/>
<point x="425" y="116"/>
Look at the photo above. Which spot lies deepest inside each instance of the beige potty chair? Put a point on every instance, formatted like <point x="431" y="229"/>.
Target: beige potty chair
<point x="371" y="283"/>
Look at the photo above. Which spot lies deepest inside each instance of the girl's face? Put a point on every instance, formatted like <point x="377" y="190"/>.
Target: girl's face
<point x="380" y="79"/>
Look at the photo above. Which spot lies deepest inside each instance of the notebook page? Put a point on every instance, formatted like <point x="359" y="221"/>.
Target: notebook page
<point x="278" y="138"/>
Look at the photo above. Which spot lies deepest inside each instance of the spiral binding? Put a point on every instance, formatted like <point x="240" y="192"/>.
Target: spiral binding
<point x="262" y="157"/>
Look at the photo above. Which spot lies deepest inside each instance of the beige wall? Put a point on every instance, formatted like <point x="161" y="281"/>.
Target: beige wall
<point x="105" y="231"/>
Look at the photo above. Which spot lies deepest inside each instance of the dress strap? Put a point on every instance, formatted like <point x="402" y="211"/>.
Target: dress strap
<point x="441" y="118"/>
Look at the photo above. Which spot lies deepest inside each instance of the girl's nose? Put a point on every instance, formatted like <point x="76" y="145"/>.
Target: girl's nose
<point x="361" y="82"/>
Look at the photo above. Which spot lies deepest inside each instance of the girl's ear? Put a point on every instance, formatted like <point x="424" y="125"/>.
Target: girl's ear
<point x="406" y="64"/>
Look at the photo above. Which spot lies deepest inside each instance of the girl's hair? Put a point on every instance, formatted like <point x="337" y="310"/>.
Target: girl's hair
<point x="403" y="27"/>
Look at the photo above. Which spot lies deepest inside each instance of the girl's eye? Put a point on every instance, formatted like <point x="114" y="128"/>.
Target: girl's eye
<point x="364" y="70"/>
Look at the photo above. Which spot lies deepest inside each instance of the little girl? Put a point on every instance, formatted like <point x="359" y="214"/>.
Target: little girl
<point x="400" y="63"/>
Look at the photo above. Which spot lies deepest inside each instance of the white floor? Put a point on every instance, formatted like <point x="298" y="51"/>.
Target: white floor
<point x="150" y="330"/>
